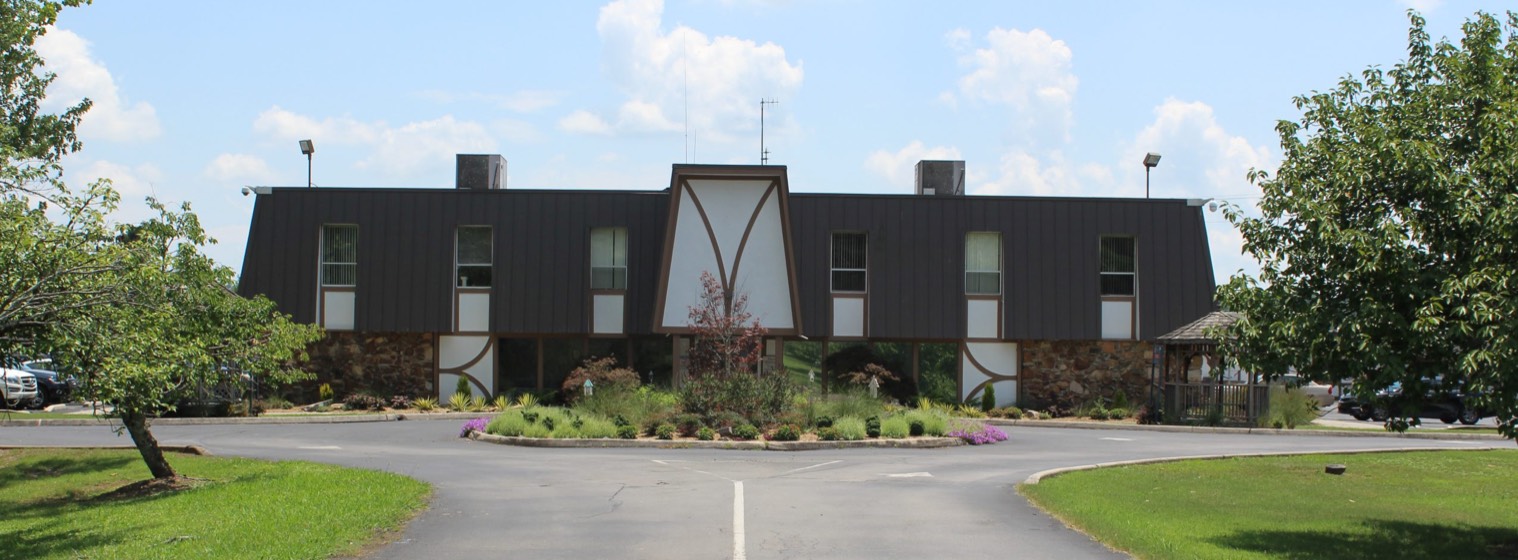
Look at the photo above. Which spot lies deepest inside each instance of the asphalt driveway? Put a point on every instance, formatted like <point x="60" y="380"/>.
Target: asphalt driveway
<point x="495" y="501"/>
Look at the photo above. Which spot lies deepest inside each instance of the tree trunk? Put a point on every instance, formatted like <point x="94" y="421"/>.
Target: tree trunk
<point x="137" y="425"/>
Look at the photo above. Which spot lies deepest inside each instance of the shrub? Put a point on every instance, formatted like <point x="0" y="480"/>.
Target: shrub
<point x="827" y="434"/>
<point x="462" y="387"/>
<point x="934" y="422"/>
<point x="823" y="421"/>
<point x="706" y="434"/>
<point x="968" y="411"/>
<point x="1288" y="409"/>
<point x="459" y="402"/>
<point x="476" y="404"/>
<point x="1118" y="413"/>
<point x="915" y="427"/>
<point x="872" y="426"/>
<point x="565" y="430"/>
<point x="638" y="407"/>
<point x="1097" y="413"/>
<point x="728" y="419"/>
<point x="1120" y="400"/>
<point x="363" y="401"/>
<point x="851" y="428"/>
<point x="786" y="432"/>
<point x="839" y="368"/>
<point x="988" y="398"/>
<point x="276" y="401"/>
<point x="1006" y="412"/>
<point x="526" y="400"/>
<point x="687" y="424"/>
<point x="537" y="431"/>
<point x="603" y="374"/>
<point x="597" y="427"/>
<point x="665" y="431"/>
<point x="508" y="424"/>
<point x="895" y="427"/>
<point x="1150" y="415"/>
<point x="745" y="431"/>
<point x="627" y="432"/>
<point x="400" y="402"/>
<point x="501" y="402"/>
<point x="324" y="392"/>
<point x="757" y="398"/>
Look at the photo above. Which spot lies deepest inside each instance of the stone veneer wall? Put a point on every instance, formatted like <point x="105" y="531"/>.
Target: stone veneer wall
<point x="386" y="364"/>
<point x="1071" y="373"/>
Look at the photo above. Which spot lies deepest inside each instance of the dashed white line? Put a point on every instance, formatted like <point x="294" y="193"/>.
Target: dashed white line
<point x="811" y="467"/>
<point x="1117" y="439"/>
<point x="739" y="552"/>
<point x="320" y="447"/>
<point x="911" y="475"/>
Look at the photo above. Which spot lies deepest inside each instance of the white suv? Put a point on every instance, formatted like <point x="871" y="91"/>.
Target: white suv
<point x="19" y="389"/>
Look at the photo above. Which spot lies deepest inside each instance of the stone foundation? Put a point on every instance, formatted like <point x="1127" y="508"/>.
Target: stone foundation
<point x="385" y="364"/>
<point x="1071" y="373"/>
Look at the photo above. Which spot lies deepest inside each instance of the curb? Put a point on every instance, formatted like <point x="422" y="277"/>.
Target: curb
<point x="759" y="445"/>
<point x="1247" y="431"/>
<point x="276" y="419"/>
<point x="1035" y="478"/>
<point x="185" y="449"/>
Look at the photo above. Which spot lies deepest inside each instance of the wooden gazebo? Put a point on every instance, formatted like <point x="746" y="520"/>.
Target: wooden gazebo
<point x="1215" y="400"/>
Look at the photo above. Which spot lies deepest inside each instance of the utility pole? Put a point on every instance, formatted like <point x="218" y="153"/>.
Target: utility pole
<point x="764" y="154"/>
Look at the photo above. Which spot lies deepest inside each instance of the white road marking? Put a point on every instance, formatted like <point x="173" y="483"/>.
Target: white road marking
<point x="811" y="467"/>
<point x="1117" y="439"/>
<point x="320" y="447"/>
<point x="738" y="546"/>
<point x="911" y="475"/>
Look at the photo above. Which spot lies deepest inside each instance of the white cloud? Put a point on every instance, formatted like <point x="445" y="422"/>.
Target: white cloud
<point x="239" y="169"/>
<point x="398" y="151"/>
<point x="1199" y="157"/>
<point x="584" y="122"/>
<point x="1424" y="7"/>
<point x="899" y="168"/>
<point x="80" y="75"/>
<point x="1027" y="71"/>
<point x="1024" y="173"/>
<point x="133" y="183"/>
<point x="516" y="131"/>
<point x="523" y="101"/>
<point x="718" y="79"/>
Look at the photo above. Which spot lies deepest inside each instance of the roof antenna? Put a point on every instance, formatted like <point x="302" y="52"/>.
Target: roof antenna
<point x="764" y="154"/>
<point x="685" y="67"/>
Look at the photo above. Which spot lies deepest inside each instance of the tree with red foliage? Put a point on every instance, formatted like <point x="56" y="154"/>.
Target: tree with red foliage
<point x="728" y="338"/>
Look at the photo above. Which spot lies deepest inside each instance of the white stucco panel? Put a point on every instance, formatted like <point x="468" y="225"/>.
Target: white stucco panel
<point x="1117" y="320"/>
<point x="690" y="255"/>
<point x="337" y="311"/>
<point x="848" y="316"/>
<point x="981" y="318"/>
<point x="456" y="350"/>
<point x="762" y="271"/>
<point x="474" y="312"/>
<point x="608" y="310"/>
<point x="484" y="372"/>
<point x="1000" y="358"/>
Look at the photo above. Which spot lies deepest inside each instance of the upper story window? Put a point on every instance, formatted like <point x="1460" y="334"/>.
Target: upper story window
<point x="983" y="263"/>
<point x="339" y="265"/>
<point x="608" y="258"/>
<point x="473" y="257"/>
<point x="1119" y="276"/>
<point x="849" y="257"/>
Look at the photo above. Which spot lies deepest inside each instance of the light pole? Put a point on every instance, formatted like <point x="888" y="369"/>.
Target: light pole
<point x="1150" y="160"/>
<point x="307" y="148"/>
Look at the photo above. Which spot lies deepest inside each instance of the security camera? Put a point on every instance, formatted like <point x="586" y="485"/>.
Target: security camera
<point x="246" y="191"/>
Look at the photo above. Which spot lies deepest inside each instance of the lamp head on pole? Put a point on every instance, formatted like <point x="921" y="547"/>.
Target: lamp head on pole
<point x="1151" y="159"/>
<point x="307" y="148"/>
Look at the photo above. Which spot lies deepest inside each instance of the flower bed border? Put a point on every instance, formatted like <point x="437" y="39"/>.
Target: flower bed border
<point x="751" y="445"/>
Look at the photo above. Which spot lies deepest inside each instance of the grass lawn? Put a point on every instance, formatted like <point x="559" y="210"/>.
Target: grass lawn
<point x="1435" y="504"/>
<point x="54" y="505"/>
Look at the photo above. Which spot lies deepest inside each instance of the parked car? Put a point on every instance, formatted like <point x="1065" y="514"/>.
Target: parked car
<point x="55" y="388"/>
<point x="1448" y="404"/>
<point x="19" y="389"/>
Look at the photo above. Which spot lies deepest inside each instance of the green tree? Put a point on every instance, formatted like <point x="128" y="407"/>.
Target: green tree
<point x="1388" y="237"/>
<point x="139" y="312"/>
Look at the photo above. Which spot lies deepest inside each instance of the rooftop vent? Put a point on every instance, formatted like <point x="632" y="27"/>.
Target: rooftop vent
<point x="481" y="172"/>
<point x="941" y="177"/>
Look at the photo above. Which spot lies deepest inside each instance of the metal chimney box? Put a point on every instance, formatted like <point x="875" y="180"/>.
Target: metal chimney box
<point x="941" y="177"/>
<point x="480" y="172"/>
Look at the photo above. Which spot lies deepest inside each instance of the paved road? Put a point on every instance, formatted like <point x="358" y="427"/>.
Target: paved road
<point x="498" y="501"/>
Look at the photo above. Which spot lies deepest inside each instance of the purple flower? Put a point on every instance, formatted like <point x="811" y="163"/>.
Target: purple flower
<point x="976" y="433"/>
<point x="476" y="425"/>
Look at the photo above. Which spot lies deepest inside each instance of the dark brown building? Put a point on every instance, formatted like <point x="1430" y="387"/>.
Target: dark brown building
<point x="1051" y="299"/>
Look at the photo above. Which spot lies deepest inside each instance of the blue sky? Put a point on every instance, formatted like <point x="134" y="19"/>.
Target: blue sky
<point x="195" y="100"/>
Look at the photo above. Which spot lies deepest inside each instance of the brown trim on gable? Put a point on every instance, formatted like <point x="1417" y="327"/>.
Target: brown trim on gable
<point x="669" y="248"/>
<point x="782" y="183"/>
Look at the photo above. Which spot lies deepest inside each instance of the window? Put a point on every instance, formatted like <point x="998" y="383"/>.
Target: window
<point x="983" y="263"/>
<point x="849" y="251"/>
<point x="1118" y="277"/>
<point x="473" y="257"/>
<point x="339" y="255"/>
<point x="608" y="259"/>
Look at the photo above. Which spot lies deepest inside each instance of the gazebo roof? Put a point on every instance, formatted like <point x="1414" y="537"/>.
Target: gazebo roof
<point x="1195" y="332"/>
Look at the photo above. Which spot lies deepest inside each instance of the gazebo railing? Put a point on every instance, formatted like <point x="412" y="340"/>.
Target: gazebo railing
<point x="1227" y="403"/>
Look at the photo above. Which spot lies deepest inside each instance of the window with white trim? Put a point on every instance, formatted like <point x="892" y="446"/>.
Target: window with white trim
<point x="848" y="261"/>
<point x="1119" y="275"/>
<point x="608" y="258"/>
<point x="473" y="257"/>
<point x="339" y="259"/>
<point x="983" y="263"/>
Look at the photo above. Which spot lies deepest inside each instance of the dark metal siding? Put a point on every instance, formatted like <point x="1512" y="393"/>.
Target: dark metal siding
<point x="406" y="246"/>
<point x="1051" y="268"/>
<point x="916" y="258"/>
